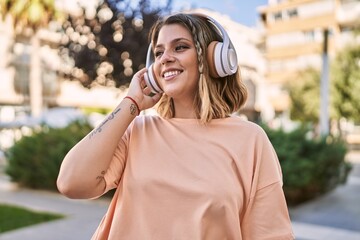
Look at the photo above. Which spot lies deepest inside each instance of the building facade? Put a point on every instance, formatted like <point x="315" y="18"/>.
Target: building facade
<point x="294" y="32"/>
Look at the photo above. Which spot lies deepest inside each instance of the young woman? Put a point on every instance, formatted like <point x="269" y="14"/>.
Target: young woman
<point x="193" y="172"/>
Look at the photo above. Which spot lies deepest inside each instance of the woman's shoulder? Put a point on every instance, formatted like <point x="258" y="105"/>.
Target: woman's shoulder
<point x="246" y="126"/>
<point x="241" y="122"/>
<point x="148" y="119"/>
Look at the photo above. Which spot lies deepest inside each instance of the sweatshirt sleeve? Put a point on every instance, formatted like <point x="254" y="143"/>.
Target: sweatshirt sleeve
<point x="266" y="215"/>
<point x="117" y="165"/>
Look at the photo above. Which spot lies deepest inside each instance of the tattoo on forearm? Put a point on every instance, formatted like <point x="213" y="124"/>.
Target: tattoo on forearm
<point x="133" y="109"/>
<point x="100" y="127"/>
<point x="101" y="176"/>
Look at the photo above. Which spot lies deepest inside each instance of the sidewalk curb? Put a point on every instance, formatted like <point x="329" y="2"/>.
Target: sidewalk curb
<point x="316" y="232"/>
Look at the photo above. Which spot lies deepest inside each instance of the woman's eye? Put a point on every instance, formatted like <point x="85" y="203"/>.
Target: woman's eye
<point x="157" y="53"/>
<point x="181" y="47"/>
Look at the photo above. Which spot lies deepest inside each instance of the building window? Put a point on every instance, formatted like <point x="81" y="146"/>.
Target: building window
<point x="276" y="66"/>
<point x="346" y="29"/>
<point x="309" y="35"/>
<point x="331" y="32"/>
<point x="292" y="13"/>
<point x="277" y="16"/>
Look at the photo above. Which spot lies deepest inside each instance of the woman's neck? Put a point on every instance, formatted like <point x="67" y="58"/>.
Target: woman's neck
<point x="184" y="109"/>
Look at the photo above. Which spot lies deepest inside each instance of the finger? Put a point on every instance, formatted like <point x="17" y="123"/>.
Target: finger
<point x="146" y="91"/>
<point x="138" y="78"/>
<point x="143" y="84"/>
<point x="156" y="97"/>
<point x="140" y="74"/>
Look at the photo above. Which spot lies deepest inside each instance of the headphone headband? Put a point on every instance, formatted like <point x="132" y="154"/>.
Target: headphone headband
<point x="218" y="27"/>
<point x="225" y="56"/>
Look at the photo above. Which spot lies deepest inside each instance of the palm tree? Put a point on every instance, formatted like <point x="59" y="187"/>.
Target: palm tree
<point x="29" y="16"/>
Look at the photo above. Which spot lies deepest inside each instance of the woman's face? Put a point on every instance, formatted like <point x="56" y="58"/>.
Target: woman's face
<point x="176" y="63"/>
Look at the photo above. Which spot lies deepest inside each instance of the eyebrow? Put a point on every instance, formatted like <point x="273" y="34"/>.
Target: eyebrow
<point x="174" y="41"/>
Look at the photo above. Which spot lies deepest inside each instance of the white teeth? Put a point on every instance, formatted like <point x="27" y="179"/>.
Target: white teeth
<point x="171" y="73"/>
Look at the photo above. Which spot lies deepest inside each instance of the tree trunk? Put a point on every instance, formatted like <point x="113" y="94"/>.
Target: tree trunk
<point x="36" y="98"/>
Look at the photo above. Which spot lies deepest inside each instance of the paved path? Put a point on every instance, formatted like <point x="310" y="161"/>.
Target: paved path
<point x="82" y="216"/>
<point x="335" y="216"/>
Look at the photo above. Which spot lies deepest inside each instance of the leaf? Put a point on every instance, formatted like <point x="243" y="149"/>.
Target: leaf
<point x="18" y="7"/>
<point x="36" y="12"/>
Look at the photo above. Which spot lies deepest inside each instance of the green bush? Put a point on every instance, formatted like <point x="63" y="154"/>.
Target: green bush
<point x="311" y="166"/>
<point x="34" y="161"/>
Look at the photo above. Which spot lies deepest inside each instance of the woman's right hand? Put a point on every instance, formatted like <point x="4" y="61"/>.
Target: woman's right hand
<point x="141" y="93"/>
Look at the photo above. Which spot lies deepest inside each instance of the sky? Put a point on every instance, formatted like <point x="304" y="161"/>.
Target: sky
<point x="242" y="11"/>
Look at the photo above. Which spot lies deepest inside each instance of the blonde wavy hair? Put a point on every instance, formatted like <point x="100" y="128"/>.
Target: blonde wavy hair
<point x="216" y="97"/>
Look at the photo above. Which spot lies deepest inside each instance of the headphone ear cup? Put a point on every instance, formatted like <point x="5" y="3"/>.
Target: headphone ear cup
<point x="151" y="81"/>
<point x="215" y="60"/>
<point x="211" y="59"/>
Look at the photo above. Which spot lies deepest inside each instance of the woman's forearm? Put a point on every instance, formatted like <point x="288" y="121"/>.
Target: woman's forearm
<point x="82" y="171"/>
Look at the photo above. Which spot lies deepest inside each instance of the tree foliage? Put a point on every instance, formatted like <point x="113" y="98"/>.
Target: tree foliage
<point x="31" y="13"/>
<point x="346" y="81"/>
<point x="108" y="48"/>
<point x="304" y="90"/>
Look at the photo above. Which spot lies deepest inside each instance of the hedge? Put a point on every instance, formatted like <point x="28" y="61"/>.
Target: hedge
<point x="311" y="166"/>
<point x="34" y="161"/>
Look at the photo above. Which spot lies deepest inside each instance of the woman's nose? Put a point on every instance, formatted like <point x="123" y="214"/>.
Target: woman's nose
<point x="166" y="57"/>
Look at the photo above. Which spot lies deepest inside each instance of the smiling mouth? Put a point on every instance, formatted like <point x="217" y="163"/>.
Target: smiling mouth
<point x="171" y="74"/>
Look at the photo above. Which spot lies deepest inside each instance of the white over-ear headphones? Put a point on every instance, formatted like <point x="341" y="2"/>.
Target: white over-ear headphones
<point x="221" y="57"/>
<point x="150" y="79"/>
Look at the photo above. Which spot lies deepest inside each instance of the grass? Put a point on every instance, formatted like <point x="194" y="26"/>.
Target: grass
<point x="14" y="217"/>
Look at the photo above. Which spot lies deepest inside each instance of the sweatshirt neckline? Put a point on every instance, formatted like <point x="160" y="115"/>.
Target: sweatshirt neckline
<point x="197" y="121"/>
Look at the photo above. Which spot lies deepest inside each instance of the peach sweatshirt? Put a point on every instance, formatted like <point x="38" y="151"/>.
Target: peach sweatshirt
<point x="179" y="180"/>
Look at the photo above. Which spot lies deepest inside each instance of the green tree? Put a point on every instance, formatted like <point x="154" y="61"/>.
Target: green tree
<point x="31" y="15"/>
<point x="346" y="80"/>
<point x="109" y="47"/>
<point x="304" y="91"/>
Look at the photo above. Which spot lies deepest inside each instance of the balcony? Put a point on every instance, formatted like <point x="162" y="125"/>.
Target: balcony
<point x="348" y="13"/>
